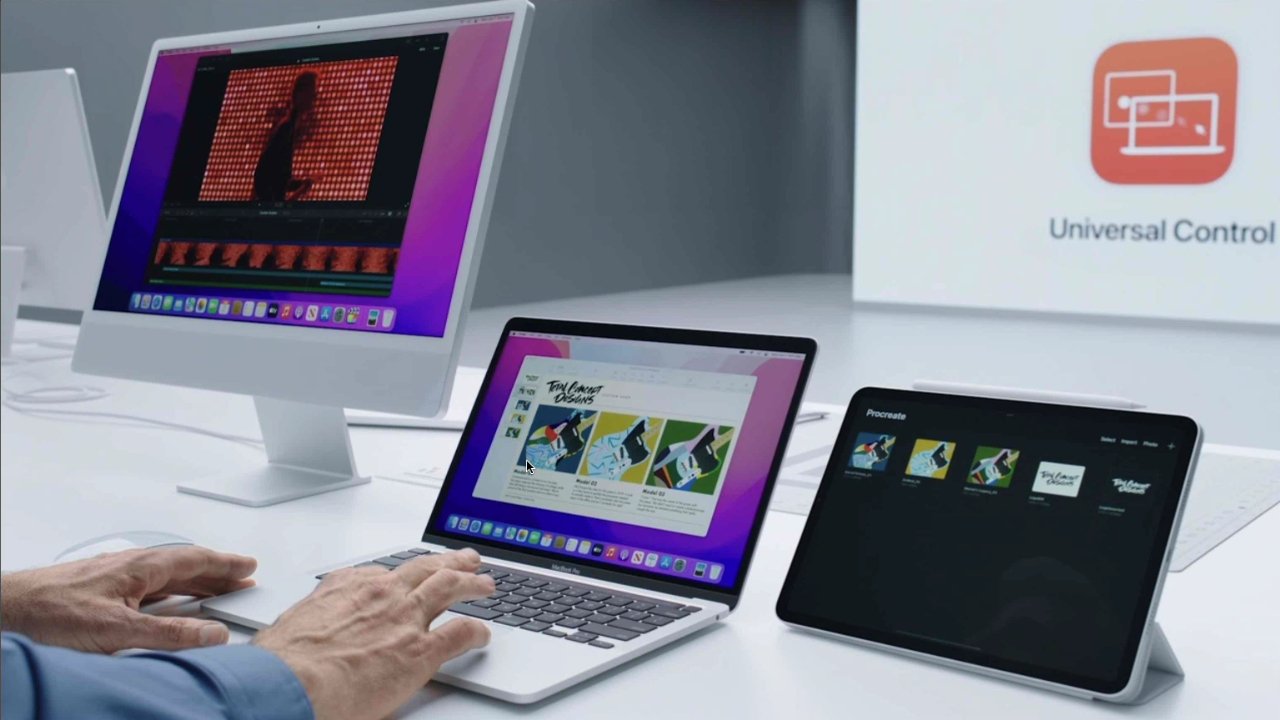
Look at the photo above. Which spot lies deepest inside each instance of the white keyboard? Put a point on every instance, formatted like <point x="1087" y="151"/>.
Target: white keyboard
<point x="1230" y="490"/>
<point x="1232" y="487"/>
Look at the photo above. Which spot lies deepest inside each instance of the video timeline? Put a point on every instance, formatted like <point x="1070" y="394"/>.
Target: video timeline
<point x="284" y="266"/>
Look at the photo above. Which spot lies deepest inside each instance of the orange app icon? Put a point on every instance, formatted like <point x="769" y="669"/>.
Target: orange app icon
<point x="1164" y="111"/>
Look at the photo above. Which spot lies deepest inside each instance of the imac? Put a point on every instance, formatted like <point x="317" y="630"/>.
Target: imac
<point x="299" y="216"/>
<point x="50" y="194"/>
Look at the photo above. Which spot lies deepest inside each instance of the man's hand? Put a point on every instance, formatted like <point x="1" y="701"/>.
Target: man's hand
<point x="360" y="643"/>
<point x="92" y="605"/>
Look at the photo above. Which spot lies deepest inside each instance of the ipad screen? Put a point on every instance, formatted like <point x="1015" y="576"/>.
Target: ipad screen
<point x="1019" y="536"/>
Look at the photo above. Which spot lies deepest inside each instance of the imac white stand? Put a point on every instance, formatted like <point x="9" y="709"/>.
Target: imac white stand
<point x="308" y="453"/>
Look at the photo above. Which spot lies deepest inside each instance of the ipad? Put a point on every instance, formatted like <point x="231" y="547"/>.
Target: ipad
<point x="1022" y="539"/>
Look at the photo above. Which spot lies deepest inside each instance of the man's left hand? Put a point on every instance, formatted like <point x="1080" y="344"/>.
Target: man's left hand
<point x="92" y="605"/>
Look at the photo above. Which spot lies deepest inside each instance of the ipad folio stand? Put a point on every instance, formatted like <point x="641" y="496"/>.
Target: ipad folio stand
<point x="1162" y="669"/>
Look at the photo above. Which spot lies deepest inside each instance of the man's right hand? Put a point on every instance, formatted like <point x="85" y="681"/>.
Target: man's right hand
<point x="360" y="644"/>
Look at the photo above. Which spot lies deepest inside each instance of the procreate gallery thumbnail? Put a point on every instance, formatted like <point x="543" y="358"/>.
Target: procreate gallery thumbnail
<point x="930" y="458"/>
<point x="993" y="467"/>
<point x="871" y="451"/>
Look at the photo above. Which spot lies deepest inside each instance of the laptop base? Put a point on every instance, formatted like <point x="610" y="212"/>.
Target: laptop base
<point x="518" y="666"/>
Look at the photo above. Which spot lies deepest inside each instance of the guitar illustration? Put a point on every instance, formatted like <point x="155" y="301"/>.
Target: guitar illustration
<point x="678" y="465"/>
<point x="550" y="444"/>
<point x="994" y="470"/>
<point x="929" y="461"/>
<point x="614" y="454"/>
<point x="867" y="455"/>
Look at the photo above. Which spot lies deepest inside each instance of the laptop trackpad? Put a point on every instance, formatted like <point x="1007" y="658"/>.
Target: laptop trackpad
<point x="496" y="631"/>
<point x="473" y="662"/>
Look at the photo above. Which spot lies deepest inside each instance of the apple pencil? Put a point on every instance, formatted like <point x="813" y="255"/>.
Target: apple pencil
<point x="810" y="416"/>
<point x="1012" y="393"/>
<point x="406" y="422"/>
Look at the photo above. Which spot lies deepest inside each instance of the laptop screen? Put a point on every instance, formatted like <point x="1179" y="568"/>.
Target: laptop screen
<point x="648" y="457"/>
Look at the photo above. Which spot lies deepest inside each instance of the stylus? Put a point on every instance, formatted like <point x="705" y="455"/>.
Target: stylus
<point x="392" y="421"/>
<point x="1012" y="393"/>
<point x="811" y="416"/>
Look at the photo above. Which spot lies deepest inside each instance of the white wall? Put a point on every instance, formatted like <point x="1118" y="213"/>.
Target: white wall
<point x="974" y="129"/>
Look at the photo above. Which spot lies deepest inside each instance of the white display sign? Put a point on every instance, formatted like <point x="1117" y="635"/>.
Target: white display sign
<point x="1100" y="157"/>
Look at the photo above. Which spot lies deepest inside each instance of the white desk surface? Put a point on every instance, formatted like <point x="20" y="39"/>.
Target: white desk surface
<point x="67" y="480"/>
<point x="1225" y="376"/>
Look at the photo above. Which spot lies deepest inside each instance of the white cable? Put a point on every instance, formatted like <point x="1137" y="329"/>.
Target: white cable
<point x="68" y="340"/>
<point x="27" y="360"/>
<point x="58" y="343"/>
<point x="162" y="424"/>
<point x="56" y="395"/>
<point x="63" y="342"/>
<point x="27" y="402"/>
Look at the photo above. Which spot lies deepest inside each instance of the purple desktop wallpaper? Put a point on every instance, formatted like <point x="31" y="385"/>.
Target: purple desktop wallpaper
<point x="438" y="214"/>
<point x="726" y="539"/>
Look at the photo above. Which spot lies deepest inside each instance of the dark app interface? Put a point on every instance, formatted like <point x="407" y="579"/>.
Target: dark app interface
<point x="295" y="168"/>
<point x="1020" y="540"/>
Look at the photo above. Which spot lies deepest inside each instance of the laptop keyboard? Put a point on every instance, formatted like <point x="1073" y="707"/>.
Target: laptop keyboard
<point x="549" y="606"/>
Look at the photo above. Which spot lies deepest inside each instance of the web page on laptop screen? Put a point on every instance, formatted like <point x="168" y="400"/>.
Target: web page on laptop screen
<point x="641" y="445"/>
<point x="648" y="455"/>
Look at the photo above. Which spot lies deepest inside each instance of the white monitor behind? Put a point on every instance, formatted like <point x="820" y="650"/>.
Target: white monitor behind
<point x="49" y="187"/>
<point x="301" y="378"/>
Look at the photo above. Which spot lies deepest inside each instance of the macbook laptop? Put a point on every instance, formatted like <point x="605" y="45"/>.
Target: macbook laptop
<point x="614" y="479"/>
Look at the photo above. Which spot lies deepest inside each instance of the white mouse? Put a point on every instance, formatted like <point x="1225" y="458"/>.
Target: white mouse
<point x="115" y="542"/>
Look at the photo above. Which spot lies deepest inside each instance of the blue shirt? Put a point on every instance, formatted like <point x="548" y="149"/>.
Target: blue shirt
<point x="230" y="681"/>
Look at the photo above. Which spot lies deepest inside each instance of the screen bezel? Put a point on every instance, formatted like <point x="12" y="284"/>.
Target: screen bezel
<point x="189" y="351"/>
<point x="599" y="569"/>
<point x="482" y="201"/>
<point x="1152" y="578"/>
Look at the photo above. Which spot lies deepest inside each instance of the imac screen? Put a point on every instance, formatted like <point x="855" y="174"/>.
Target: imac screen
<point x="321" y="180"/>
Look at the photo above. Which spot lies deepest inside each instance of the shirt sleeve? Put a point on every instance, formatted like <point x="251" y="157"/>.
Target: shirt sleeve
<point x="231" y="681"/>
